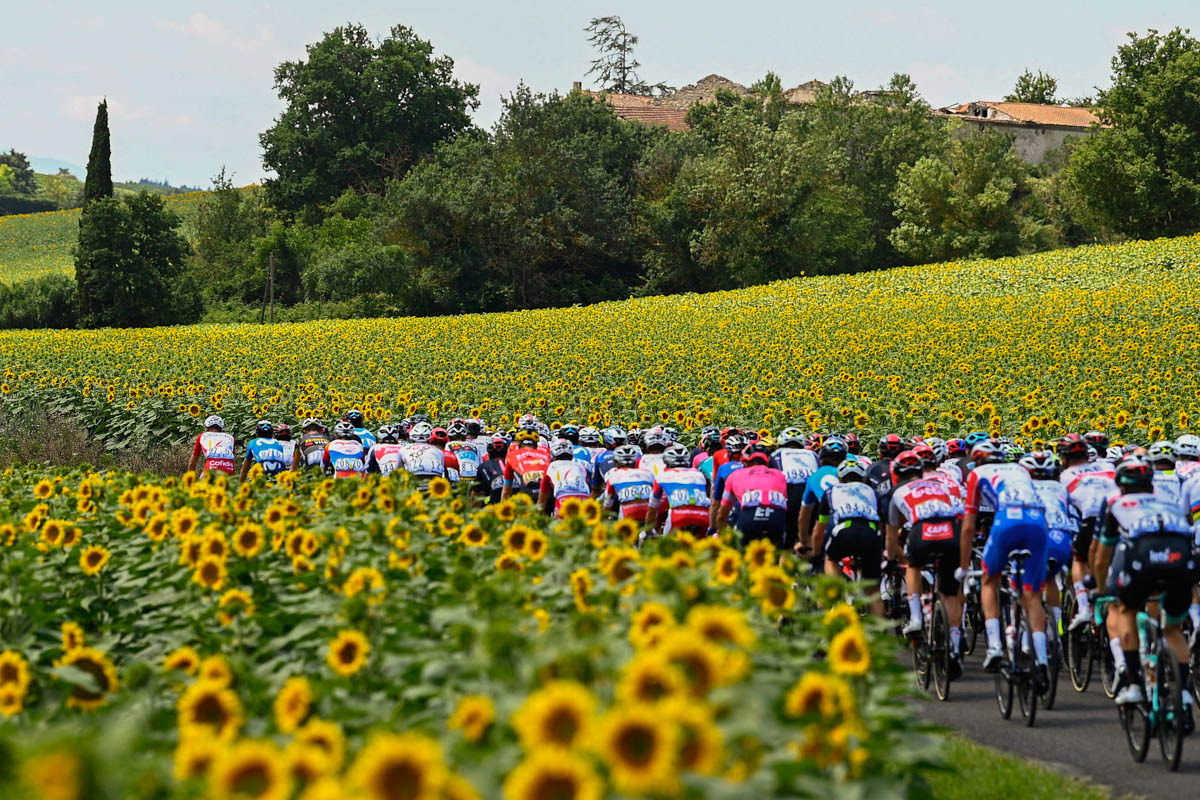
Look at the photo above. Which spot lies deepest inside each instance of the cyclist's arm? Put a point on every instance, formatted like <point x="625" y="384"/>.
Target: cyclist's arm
<point x="246" y="462"/>
<point x="196" y="453"/>
<point x="818" y="536"/>
<point x="967" y="539"/>
<point x="893" y="542"/>
<point x="546" y="493"/>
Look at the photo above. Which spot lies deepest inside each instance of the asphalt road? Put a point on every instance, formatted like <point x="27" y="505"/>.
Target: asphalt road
<point x="1081" y="736"/>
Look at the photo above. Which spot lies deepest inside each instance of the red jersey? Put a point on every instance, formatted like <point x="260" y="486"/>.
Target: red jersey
<point x="216" y="447"/>
<point x="524" y="468"/>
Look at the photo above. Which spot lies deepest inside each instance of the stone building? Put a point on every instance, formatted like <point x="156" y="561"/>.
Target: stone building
<point x="1036" y="130"/>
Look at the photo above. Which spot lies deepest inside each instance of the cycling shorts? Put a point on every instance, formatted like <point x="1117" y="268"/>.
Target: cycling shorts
<point x="1153" y="564"/>
<point x="1083" y="539"/>
<point x="1018" y="529"/>
<point x="857" y="539"/>
<point x="936" y="539"/>
<point x="763" y="522"/>
<point x="1058" y="551"/>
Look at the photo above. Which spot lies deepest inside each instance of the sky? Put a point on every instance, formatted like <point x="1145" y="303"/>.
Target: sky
<point x="189" y="86"/>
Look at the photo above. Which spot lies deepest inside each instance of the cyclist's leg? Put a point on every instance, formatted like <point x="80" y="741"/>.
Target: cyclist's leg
<point x="914" y="552"/>
<point x="1129" y="585"/>
<point x="1079" y="571"/>
<point x="1033" y="537"/>
<point x="866" y="549"/>
<point x="995" y="555"/>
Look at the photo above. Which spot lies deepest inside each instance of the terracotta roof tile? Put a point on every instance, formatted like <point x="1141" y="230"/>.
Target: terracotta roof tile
<point x="673" y="118"/>
<point x="1032" y="113"/>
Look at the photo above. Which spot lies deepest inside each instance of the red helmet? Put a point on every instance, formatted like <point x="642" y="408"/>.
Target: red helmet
<point x="439" y="437"/>
<point x="890" y="446"/>
<point x="1072" y="446"/>
<point x="905" y="464"/>
<point x="852" y="443"/>
<point x="756" y="453"/>
<point x="956" y="447"/>
<point x="926" y="454"/>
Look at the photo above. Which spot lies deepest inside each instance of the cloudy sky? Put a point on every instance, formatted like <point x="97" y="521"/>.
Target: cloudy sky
<point x="190" y="85"/>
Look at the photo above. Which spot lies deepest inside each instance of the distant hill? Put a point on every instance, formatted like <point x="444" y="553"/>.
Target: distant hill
<point x="51" y="166"/>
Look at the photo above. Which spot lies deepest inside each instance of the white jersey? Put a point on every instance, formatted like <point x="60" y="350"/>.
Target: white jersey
<point x="1091" y="485"/>
<point x="652" y="462"/>
<point x="423" y="460"/>
<point x="1167" y="488"/>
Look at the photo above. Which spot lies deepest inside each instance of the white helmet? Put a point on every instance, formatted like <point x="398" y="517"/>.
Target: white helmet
<point x="420" y="432"/>
<point x="656" y="436"/>
<point x="1114" y="453"/>
<point x="1188" y="446"/>
<point x="791" y="437"/>
<point x="214" y="422"/>
<point x="561" y="447"/>
<point x="1161" y="452"/>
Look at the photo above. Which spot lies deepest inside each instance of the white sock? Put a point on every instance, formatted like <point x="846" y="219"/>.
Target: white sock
<point x="992" y="626"/>
<point x="1194" y="613"/>
<point x="1114" y="644"/>
<point x="914" y="607"/>
<point x="1081" y="596"/>
<point x="1039" y="646"/>
<point x="955" y="639"/>
<point x="1056" y="612"/>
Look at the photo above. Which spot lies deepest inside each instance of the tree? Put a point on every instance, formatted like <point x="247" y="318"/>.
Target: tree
<point x="128" y="263"/>
<point x="98" y="183"/>
<point x="964" y="204"/>
<point x="223" y="227"/>
<point x="63" y="189"/>
<point x="1040" y="88"/>
<point x="359" y="114"/>
<point x="1141" y="176"/>
<point x="6" y="178"/>
<point x="22" y="177"/>
<point x="615" y="66"/>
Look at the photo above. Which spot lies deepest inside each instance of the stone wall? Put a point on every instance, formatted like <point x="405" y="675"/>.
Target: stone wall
<point x="1031" y="142"/>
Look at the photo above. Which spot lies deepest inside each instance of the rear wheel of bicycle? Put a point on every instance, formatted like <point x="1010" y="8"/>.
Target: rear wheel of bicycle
<point x="1194" y="660"/>
<point x="1108" y="667"/>
<point x="1137" y="729"/>
<point x="1004" y="693"/>
<point x="1027" y="696"/>
<point x="1054" y="645"/>
<point x="939" y="649"/>
<point x="1077" y="647"/>
<point x="1170" y="707"/>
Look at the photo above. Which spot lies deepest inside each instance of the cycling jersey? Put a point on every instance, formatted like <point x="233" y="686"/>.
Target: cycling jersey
<point x="722" y="475"/>
<point x="489" y="480"/>
<point x="879" y="478"/>
<point x="996" y="487"/>
<point x="385" y="457"/>
<point x="818" y="483"/>
<point x="345" y="458"/>
<point x="706" y="467"/>
<point x="565" y="479"/>
<point x="1184" y="469"/>
<point x="524" y="468"/>
<point x="216" y="447"/>
<point x="272" y="455"/>
<point x="685" y="493"/>
<point x="953" y="471"/>
<point x="1152" y="555"/>
<point x="592" y="454"/>
<point x="1134" y="515"/>
<point x="796" y="464"/>
<point x="467" y="456"/>
<point x="843" y="502"/>
<point x="954" y="487"/>
<point x="423" y="460"/>
<point x="1020" y="521"/>
<point x="481" y="445"/>
<point x="366" y="437"/>
<point x="1090" y="486"/>
<point x="1061" y="513"/>
<point x="312" y="448"/>
<point x="653" y="462"/>
<point x="628" y="489"/>
<point x="1189" y="501"/>
<point x="1166" y="487"/>
<point x="604" y="462"/>
<point x="923" y="500"/>
<point x="758" y="497"/>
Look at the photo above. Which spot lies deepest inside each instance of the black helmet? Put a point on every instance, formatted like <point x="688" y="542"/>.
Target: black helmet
<point x="1097" y="439"/>
<point x="1135" y="474"/>
<point x="497" y="448"/>
<point x="833" y="451"/>
<point x="356" y="418"/>
<point x="264" y="429"/>
<point x="890" y="446"/>
<point x="474" y="426"/>
<point x="570" y="433"/>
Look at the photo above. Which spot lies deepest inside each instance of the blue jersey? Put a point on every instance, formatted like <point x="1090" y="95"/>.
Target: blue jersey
<point x="272" y="455"/>
<point x="603" y="463"/>
<point x="723" y="473"/>
<point x="366" y="437"/>
<point x="819" y="483"/>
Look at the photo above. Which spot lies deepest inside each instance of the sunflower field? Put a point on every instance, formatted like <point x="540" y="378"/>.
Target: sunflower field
<point x="300" y="637"/>
<point x="1100" y="337"/>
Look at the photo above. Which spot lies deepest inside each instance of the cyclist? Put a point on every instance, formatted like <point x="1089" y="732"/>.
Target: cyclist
<point x="710" y="445"/>
<point x="359" y="421"/>
<point x="478" y="436"/>
<point x="439" y="438"/>
<point x="313" y="438"/>
<point x="849" y="514"/>
<point x="1090" y="485"/>
<point x="656" y="444"/>
<point x="1019" y="524"/>
<point x="464" y="451"/>
<point x="264" y="449"/>
<point x="797" y="465"/>
<point x="345" y="456"/>
<point x="489" y="478"/>
<point x="756" y="497"/>
<point x="833" y="452"/>
<point x="1166" y="483"/>
<point x="388" y="452"/>
<point x="1145" y="548"/>
<point x="1062" y="523"/>
<point x="879" y="474"/>
<point x="628" y="487"/>
<point x="215" y="447"/>
<point x="682" y="492"/>
<point x="592" y="446"/>
<point x="735" y="443"/>
<point x="704" y="447"/>
<point x="953" y="463"/>
<point x="564" y="477"/>
<point x="525" y="464"/>
<point x="923" y="523"/>
<point x="1098" y="441"/>
<point x="1187" y="455"/>
<point x="420" y="457"/>
<point x="612" y="437"/>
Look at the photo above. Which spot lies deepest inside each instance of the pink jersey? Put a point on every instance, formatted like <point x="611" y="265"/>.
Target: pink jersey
<point x="755" y="486"/>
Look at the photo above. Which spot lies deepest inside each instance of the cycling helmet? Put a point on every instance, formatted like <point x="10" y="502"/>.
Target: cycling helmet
<point x="527" y="420"/>
<point x="974" y="438"/>
<point x="561" y="448"/>
<point x="833" y="450"/>
<point x="474" y="427"/>
<point x="677" y="456"/>
<point x="405" y="425"/>
<point x="734" y="444"/>
<point x="1188" y="447"/>
<point x="438" y="436"/>
<point x="1097" y="439"/>
<point x="569" y="432"/>
<point x="852" y="443"/>
<point x="389" y="434"/>
<point x="214" y="422"/>
<point x="710" y="440"/>
<point x="906" y="464"/>
<point x="420" y="432"/>
<point x="356" y="418"/>
<point x="1072" y="446"/>
<point x="1135" y="474"/>
<point x="938" y="446"/>
<point x="634" y="437"/>
<point x="283" y="433"/>
<point x="343" y="430"/>
<point x="926" y="454"/>
<point x="890" y="446"/>
<point x="264" y="429"/>
<point x="1162" y="452"/>
<point x="626" y="455"/>
<point x="525" y="436"/>
<point x="1093" y="454"/>
<point x="1113" y="453"/>
<point x="312" y="422"/>
<point x="791" y="437"/>
<point x="589" y="437"/>
<point x="671" y="434"/>
<point x="813" y="441"/>
<point x="497" y="448"/>
<point x="851" y="468"/>
<point x="755" y="453"/>
<point x="1013" y="453"/>
<point x="1132" y="447"/>
<point x="656" y="437"/>
<point x="456" y="428"/>
<point x="613" y="437"/>
<point x="751" y="436"/>
<point x="1040" y="464"/>
<point x="986" y="452"/>
<point x="955" y="448"/>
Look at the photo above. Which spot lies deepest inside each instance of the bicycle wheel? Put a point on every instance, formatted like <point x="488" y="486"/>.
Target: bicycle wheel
<point x="1004" y="692"/>
<point x="939" y="649"/>
<point x="1054" y="645"/>
<point x="920" y="657"/>
<point x="1027" y="696"/>
<point x="1079" y="657"/>
<point x="972" y="623"/>
<point x="1137" y="729"/>
<point x="1170" y="707"/>
<point x="1108" y="667"/>
<point x="1194" y="660"/>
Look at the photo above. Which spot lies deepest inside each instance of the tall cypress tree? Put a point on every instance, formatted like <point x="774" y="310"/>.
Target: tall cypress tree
<point x="99" y="169"/>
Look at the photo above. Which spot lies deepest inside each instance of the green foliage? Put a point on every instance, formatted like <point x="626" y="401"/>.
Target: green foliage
<point x="967" y="204"/>
<point x="20" y="174"/>
<point x="223" y="229"/>
<point x="1034" y="88"/>
<point x="358" y="114"/>
<point x="127" y="262"/>
<point x="99" y="169"/>
<point x="615" y="65"/>
<point x="47" y="302"/>
<point x="1142" y="176"/>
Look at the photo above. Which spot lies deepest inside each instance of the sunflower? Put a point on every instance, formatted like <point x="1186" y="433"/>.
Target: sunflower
<point x="439" y="488"/>
<point x="700" y="741"/>
<point x="212" y="708"/>
<point x="456" y="787"/>
<point x="626" y="529"/>
<point x="590" y="511"/>
<point x="103" y="674"/>
<point x="515" y="537"/>
<point x="599" y="537"/>
<point x="650" y="678"/>
<point x="93" y="559"/>
<point x="701" y="663"/>
<point x="275" y="518"/>
<point x="55" y="775"/>
<point x="195" y="755"/>
<point x="52" y="532"/>
<point x="557" y="715"/>
<point x="818" y="694"/>
<point x="649" y="623"/>
<point x="249" y="540"/>
<point x="551" y="775"/>
<point x="292" y="704"/>
<point x="43" y="489"/>
<point x="581" y="587"/>
<point x="157" y="527"/>
<point x="617" y="564"/>
<point x="348" y="653"/>
<point x="306" y="763"/>
<point x="14" y="670"/>
<point x="249" y="770"/>
<point x="366" y="580"/>
<point x="185" y="659"/>
<point x="12" y="700"/>
<point x="473" y="716"/>
<point x="760" y="553"/>
<point x="327" y="736"/>
<point x="216" y="669"/>
<point x="721" y="625"/>
<point x="505" y="511"/>
<point x="640" y="748"/>
<point x="405" y="766"/>
<point x="507" y="562"/>
<point x="773" y="587"/>
<point x="210" y="573"/>
<point x="70" y="536"/>
<point x="570" y="508"/>
<point x="473" y="536"/>
<point x="535" y="546"/>
<point x="841" y="616"/>
<point x="728" y="567"/>
<point x="233" y="601"/>
<point x="849" y="653"/>
<point x="184" y="522"/>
